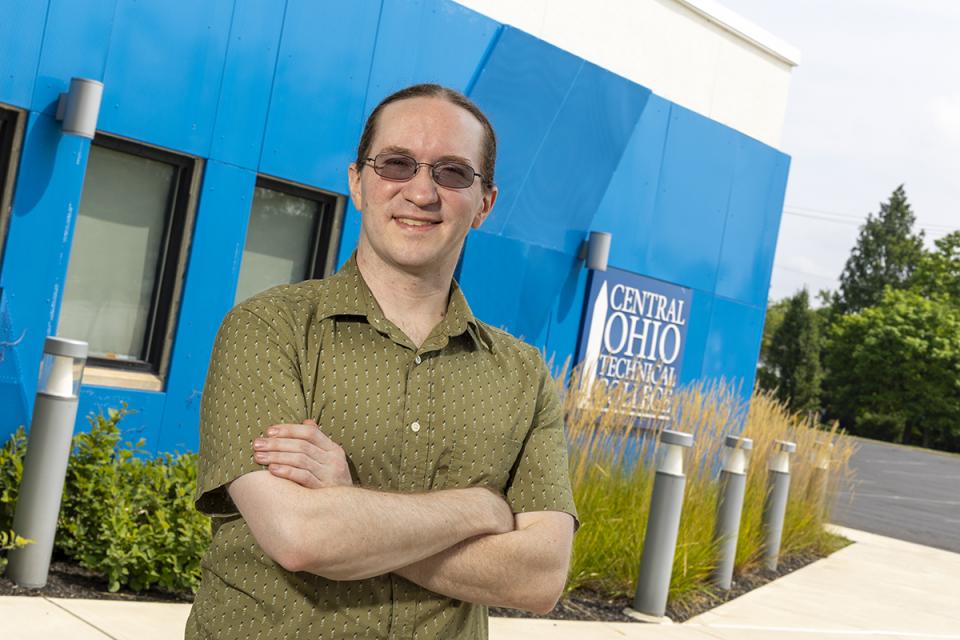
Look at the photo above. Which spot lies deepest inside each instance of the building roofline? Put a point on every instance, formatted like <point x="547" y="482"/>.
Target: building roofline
<point x="744" y="29"/>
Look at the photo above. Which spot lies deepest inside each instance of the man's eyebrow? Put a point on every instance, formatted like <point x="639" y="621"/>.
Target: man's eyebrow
<point x="407" y="152"/>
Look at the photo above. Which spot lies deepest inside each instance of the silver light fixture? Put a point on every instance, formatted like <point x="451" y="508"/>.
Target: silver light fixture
<point x="595" y="250"/>
<point x="45" y="463"/>
<point x="80" y="106"/>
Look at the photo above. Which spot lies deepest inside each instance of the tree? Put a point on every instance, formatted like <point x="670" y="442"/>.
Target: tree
<point x="886" y="254"/>
<point x="938" y="273"/>
<point x="794" y="355"/>
<point x="767" y="377"/>
<point x="893" y="370"/>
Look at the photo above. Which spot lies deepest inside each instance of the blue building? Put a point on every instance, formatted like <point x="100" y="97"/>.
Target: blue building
<point x="218" y="169"/>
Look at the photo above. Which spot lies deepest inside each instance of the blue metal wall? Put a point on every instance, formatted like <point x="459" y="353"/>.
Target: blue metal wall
<point x="282" y="88"/>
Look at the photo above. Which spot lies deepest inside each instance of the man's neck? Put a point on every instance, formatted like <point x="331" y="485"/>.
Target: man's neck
<point x="415" y="302"/>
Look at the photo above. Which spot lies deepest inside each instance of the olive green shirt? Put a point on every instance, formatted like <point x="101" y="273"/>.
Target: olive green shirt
<point x="472" y="406"/>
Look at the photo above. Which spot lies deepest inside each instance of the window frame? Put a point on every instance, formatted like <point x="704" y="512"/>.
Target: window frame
<point x="170" y="268"/>
<point x="11" y="142"/>
<point x="326" y="228"/>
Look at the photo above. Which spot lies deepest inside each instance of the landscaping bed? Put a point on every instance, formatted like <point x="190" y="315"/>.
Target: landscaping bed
<point x="69" y="580"/>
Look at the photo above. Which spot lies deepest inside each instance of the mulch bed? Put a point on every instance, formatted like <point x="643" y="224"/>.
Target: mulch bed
<point x="67" y="580"/>
<point x="585" y="604"/>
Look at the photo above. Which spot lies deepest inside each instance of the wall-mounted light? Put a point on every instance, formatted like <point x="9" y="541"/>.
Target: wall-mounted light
<point x="596" y="250"/>
<point x="79" y="107"/>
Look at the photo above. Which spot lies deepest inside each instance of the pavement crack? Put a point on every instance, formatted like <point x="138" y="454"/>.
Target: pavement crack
<point x="86" y="622"/>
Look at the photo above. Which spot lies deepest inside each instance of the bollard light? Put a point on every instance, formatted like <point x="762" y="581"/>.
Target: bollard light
<point x="670" y="454"/>
<point x="663" y="524"/>
<point x="45" y="463"/>
<point x="733" y="481"/>
<point x="780" y="460"/>
<point x="736" y="454"/>
<point x="775" y="505"/>
<point x="822" y="453"/>
<point x="61" y="367"/>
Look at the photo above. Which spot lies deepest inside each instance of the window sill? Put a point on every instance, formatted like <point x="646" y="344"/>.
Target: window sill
<point x="107" y="377"/>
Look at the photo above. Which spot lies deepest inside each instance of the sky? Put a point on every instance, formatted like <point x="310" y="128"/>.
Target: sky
<point x="874" y="103"/>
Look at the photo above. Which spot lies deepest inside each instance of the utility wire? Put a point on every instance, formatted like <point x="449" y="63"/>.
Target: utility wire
<point x="804" y="273"/>
<point x="843" y="218"/>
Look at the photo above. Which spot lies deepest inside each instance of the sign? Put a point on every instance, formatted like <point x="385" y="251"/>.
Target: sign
<point x="632" y="340"/>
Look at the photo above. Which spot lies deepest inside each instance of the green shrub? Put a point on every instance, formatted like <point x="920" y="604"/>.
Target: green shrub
<point x="125" y="515"/>
<point x="8" y="542"/>
<point x="11" y="470"/>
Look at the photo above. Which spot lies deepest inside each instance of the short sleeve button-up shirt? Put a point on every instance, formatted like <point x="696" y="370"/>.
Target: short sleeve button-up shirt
<point x="472" y="406"/>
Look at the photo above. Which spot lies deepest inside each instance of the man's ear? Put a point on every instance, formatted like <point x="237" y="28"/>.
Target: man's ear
<point x="489" y="197"/>
<point x="356" y="191"/>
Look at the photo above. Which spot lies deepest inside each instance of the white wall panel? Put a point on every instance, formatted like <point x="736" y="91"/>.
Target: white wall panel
<point x="693" y="52"/>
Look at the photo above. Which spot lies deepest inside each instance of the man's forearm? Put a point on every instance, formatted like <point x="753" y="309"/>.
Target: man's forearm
<point x="521" y="569"/>
<point x="349" y="533"/>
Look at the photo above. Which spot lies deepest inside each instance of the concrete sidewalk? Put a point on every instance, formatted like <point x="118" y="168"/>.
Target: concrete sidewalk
<point x="876" y="588"/>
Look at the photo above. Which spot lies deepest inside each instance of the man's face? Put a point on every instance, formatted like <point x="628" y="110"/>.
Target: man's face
<point x="418" y="226"/>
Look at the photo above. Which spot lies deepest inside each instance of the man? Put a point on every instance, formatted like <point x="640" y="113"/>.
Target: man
<point x="378" y="463"/>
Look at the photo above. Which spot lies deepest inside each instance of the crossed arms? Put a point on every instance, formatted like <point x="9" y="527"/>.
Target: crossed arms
<point x="462" y="543"/>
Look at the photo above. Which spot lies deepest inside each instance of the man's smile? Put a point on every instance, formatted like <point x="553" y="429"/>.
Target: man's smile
<point x="415" y="222"/>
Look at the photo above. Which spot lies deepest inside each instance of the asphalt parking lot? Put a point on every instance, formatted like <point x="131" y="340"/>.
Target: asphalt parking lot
<point x="904" y="493"/>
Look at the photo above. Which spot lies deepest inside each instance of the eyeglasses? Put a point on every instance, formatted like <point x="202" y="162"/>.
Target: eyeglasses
<point x="446" y="173"/>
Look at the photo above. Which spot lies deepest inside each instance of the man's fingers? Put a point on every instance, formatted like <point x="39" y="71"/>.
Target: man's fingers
<point x="301" y="477"/>
<point x="296" y="446"/>
<point x="307" y="431"/>
<point x="299" y="450"/>
<point x="291" y="459"/>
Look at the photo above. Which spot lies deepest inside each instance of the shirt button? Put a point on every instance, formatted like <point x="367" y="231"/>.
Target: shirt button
<point x="415" y="427"/>
<point x="418" y="359"/>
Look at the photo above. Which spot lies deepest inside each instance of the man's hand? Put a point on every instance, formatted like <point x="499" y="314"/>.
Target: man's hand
<point x="303" y="454"/>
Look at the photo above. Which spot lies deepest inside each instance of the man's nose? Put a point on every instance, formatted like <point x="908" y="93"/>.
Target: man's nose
<point x="421" y="189"/>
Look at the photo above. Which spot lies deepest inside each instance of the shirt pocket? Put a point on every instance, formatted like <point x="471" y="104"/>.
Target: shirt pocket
<point x="488" y="463"/>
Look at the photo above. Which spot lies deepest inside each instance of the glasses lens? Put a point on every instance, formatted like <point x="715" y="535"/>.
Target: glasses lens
<point x="395" y="166"/>
<point x="454" y="175"/>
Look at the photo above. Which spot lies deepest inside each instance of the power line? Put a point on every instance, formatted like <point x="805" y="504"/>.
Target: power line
<point x="824" y="212"/>
<point x="804" y="273"/>
<point x="811" y="216"/>
<point x="842" y="218"/>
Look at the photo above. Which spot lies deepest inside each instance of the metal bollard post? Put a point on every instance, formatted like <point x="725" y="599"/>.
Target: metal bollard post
<point x="775" y="505"/>
<point x="663" y="523"/>
<point x="820" y="482"/>
<point x="45" y="464"/>
<point x="733" y="482"/>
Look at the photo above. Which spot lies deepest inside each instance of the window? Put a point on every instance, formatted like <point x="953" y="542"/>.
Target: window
<point x="10" y="128"/>
<point x="125" y="260"/>
<point x="290" y="237"/>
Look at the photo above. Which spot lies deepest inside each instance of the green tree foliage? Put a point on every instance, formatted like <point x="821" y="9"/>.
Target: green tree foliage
<point x="793" y="356"/>
<point x="886" y="254"/>
<point x="894" y="370"/>
<point x="767" y="377"/>
<point x="938" y="274"/>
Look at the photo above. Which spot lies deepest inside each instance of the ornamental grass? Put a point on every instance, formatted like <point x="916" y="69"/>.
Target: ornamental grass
<point x="613" y="461"/>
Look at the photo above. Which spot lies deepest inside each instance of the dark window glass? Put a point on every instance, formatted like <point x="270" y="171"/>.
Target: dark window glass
<point x="125" y="252"/>
<point x="288" y="237"/>
<point x="8" y="131"/>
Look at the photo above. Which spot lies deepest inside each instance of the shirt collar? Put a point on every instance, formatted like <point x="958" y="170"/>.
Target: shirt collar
<point x="352" y="297"/>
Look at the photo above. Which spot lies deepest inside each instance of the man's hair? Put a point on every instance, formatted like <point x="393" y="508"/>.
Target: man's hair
<point x="488" y="148"/>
